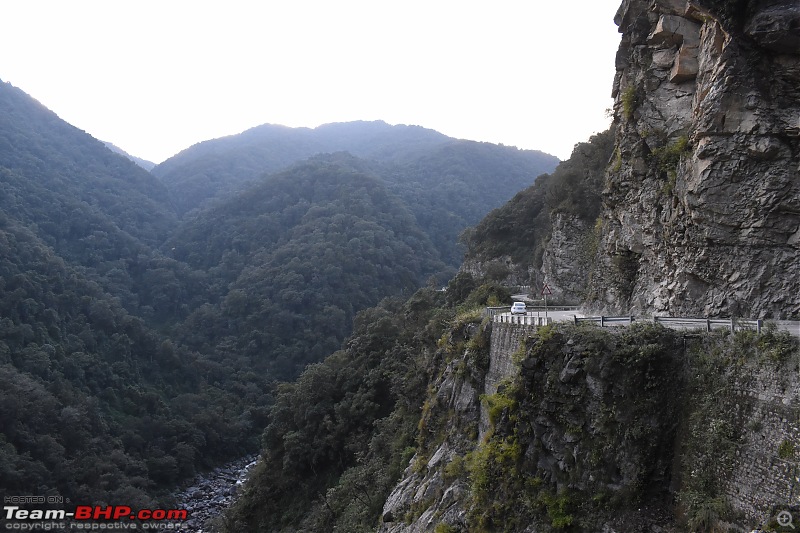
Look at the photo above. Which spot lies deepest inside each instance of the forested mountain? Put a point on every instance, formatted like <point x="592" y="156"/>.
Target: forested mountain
<point x="374" y="401"/>
<point x="453" y="186"/>
<point x="448" y="184"/>
<point x="97" y="209"/>
<point x="217" y="167"/>
<point x="49" y="162"/>
<point x="291" y="261"/>
<point x="98" y="404"/>
<point x="520" y="228"/>
<point x="139" y="343"/>
<point x="145" y="164"/>
<point x="434" y="417"/>
<point x="93" y="404"/>
<point x="213" y="168"/>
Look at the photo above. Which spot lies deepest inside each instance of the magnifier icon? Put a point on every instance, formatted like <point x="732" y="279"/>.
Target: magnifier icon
<point x="785" y="519"/>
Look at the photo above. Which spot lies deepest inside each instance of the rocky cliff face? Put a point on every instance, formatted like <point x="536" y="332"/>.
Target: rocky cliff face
<point x="590" y="429"/>
<point x="567" y="257"/>
<point x="503" y="270"/>
<point x="702" y="200"/>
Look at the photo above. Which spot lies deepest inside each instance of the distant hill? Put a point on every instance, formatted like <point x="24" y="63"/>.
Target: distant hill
<point x="47" y="160"/>
<point x="97" y="403"/>
<point x="140" y="342"/>
<point x="521" y="227"/>
<point x="447" y="184"/>
<point x="293" y="259"/>
<point x="97" y="209"/>
<point x="145" y="164"/>
<point x="454" y="185"/>
<point x="214" y="168"/>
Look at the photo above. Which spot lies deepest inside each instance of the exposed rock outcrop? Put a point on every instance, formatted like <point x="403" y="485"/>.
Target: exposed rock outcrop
<point x="504" y="270"/>
<point x="435" y="489"/>
<point x="634" y="429"/>
<point x="702" y="205"/>
<point x="567" y="257"/>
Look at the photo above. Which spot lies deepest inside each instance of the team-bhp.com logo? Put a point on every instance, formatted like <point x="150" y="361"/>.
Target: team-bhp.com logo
<point x="93" y="517"/>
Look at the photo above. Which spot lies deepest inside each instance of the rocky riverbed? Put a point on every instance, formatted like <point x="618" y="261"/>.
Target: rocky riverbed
<point x="213" y="492"/>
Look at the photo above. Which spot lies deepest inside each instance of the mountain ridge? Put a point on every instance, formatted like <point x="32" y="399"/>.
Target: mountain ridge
<point x="220" y="166"/>
<point x="138" y="346"/>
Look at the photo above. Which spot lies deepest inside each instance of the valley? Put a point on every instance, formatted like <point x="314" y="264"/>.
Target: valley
<point x="325" y="310"/>
<point x="141" y="344"/>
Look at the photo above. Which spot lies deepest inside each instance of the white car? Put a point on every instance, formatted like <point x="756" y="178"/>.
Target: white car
<point x="518" y="308"/>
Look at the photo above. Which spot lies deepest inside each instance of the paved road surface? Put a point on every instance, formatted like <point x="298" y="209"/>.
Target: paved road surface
<point x="793" y="327"/>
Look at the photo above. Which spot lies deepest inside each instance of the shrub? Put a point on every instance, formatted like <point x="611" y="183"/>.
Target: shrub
<point x="629" y="102"/>
<point x="786" y="450"/>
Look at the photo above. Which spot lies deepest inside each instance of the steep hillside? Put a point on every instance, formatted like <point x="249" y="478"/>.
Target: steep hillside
<point x="340" y="437"/>
<point x="433" y="418"/>
<point x="147" y="165"/>
<point x="96" y="209"/>
<point x="703" y="207"/>
<point x="572" y="427"/>
<point x="98" y="403"/>
<point x="45" y="159"/>
<point x="292" y="260"/>
<point x="110" y="393"/>
<point x="546" y="232"/>
<point x="217" y="167"/>
<point x="94" y="405"/>
<point x="455" y="185"/>
<point x="135" y="350"/>
<point x="448" y="184"/>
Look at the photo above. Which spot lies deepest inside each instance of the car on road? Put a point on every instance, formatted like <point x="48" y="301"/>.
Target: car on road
<point x="518" y="308"/>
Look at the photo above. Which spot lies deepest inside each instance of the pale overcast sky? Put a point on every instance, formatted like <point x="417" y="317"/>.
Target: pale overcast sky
<point x="156" y="76"/>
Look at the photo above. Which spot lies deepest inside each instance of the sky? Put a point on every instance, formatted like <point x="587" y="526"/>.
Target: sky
<point x="157" y="76"/>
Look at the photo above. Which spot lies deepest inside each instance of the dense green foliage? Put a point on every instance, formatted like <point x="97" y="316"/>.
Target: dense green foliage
<point x="53" y="169"/>
<point x="136" y="349"/>
<point x="453" y="186"/>
<point x="521" y="227"/>
<point x="339" y="438"/>
<point x="218" y="167"/>
<point x="94" y="405"/>
<point x="291" y="261"/>
<point x="97" y="210"/>
<point x="447" y="184"/>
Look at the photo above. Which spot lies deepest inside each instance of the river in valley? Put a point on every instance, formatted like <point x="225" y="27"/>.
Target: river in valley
<point x="212" y="492"/>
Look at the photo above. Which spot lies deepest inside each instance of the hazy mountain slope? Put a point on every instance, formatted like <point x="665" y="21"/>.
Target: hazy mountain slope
<point x="517" y="233"/>
<point x="145" y="164"/>
<point x="93" y="404"/>
<point x="96" y="209"/>
<point x="453" y="186"/>
<point x="293" y="259"/>
<point x="98" y="404"/>
<point x="215" y="168"/>
<point x="61" y="160"/>
<point x="218" y="167"/>
<point x="134" y="350"/>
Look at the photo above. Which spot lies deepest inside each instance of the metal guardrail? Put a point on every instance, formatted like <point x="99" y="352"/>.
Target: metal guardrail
<point x="522" y="320"/>
<point x="492" y="311"/>
<point x="677" y="322"/>
<point x="502" y="315"/>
